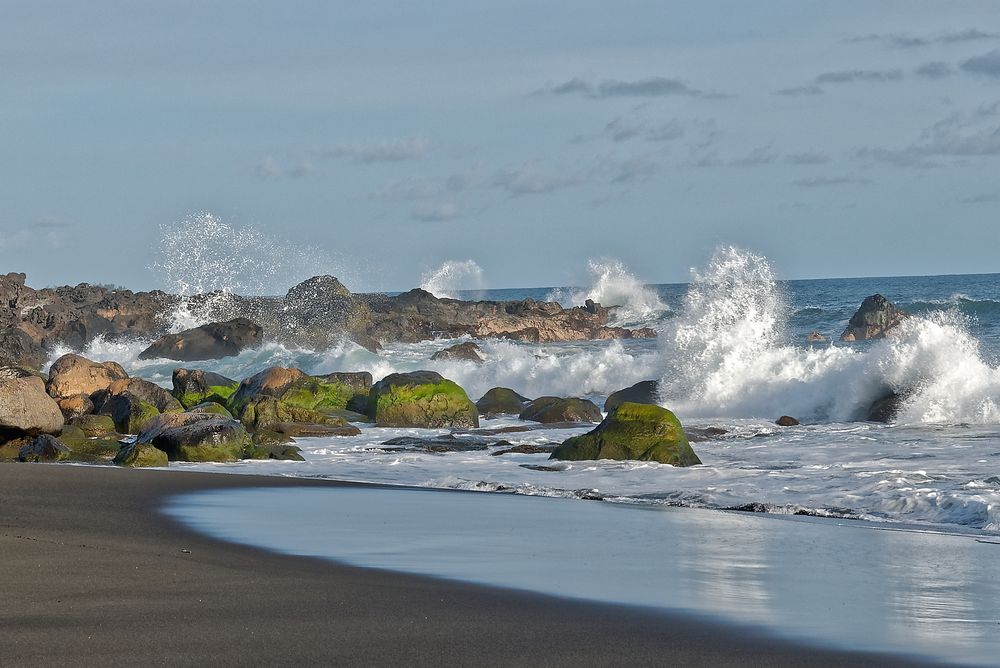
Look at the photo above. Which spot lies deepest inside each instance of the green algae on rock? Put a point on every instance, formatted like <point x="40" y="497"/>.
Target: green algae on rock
<point x="141" y="455"/>
<point x="420" y="399"/>
<point x="633" y="431"/>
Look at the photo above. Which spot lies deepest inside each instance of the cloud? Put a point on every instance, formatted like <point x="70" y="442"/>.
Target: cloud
<point x="987" y="64"/>
<point x="809" y="89"/>
<point x="934" y="70"/>
<point x="384" y="150"/>
<point x="49" y="232"/>
<point x="828" y="181"/>
<point x="850" y="76"/>
<point x="622" y="130"/>
<point x="982" y="198"/>
<point x="640" y="168"/>
<point x="648" y="87"/>
<point x="270" y="169"/>
<point x="762" y="155"/>
<point x="436" y="212"/>
<point x="905" y="41"/>
<point x="530" y="180"/>
<point x="410" y="188"/>
<point x="807" y="158"/>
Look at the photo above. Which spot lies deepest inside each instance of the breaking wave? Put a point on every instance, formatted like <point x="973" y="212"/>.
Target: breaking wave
<point x="613" y="284"/>
<point x="453" y="276"/>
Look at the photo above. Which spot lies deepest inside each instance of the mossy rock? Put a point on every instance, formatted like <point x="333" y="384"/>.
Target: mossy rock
<point x="318" y="394"/>
<point x="633" y="431"/>
<point x="141" y="455"/>
<point x="86" y="449"/>
<point x="194" y="386"/>
<point x="44" y="448"/>
<point x="96" y="425"/>
<point x="211" y="408"/>
<point x="501" y="401"/>
<point x="269" y="437"/>
<point x="129" y="412"/>
<point x="264" y="412"/>
<point x="197" y="437"/>
<point x="420" y="399"/>
<point x="279" y="451"/>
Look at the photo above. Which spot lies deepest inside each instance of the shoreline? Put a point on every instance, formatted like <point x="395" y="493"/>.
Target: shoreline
<point x="97" y="571"/>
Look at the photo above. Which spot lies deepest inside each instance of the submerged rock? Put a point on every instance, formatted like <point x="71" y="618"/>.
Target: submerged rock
<point x="874" y="319"/>
<point x="467" y="351"/>
<point x="443" y="443"/>
<point x="557" y="409"/>
<point x="501" y="401"/>
<point x="420" y="399"/>
<point x="633" y="431"/>
<point x="72" y="375"/>
<point x="208" y="342"/>
<point x="643" y="392"/>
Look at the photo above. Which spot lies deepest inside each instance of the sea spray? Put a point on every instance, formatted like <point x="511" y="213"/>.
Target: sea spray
<point x="451" y="277"/>
<point x="614" y="284"/>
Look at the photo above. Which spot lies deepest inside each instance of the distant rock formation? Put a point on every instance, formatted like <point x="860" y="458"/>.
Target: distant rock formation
<point x="876" y="317"/>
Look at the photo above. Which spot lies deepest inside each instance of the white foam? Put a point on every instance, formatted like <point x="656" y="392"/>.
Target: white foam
<point x="451" y="277"/>
<point x="614" y="284"/>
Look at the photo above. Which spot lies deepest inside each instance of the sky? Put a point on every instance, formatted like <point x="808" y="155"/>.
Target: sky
<point x="375" y="141"/>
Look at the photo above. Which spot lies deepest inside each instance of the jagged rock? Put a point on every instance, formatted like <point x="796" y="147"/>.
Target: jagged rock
<point x="208" y="342"/>
<point x="75" y="407"/>
<point x="501" y="401"/>
<point x="197" y="437"/>
<point x="26" y="410"/>
<point x="72" y="375"/>
<point x="467" y="351"/>
<point x="633" y="431"/>
<point x="786" y="421"/>
<point x="420" y="399"/>
<point x="556" y="409"/>
<point x="875" y="318"/>
<point x="43" y="448"/>
<point x="643" y="392"/>
<point x="194" y="386"/>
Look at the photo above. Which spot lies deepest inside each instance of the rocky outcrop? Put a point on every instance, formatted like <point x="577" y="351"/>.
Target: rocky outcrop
<point x="557" y="409"/>
<point x="72" y="375"/>
<point x="194" y="386"/>
<point x="501" y="401"/>
<point x="643" y="392"/>
<point x="208" y="342"/>
<point x="420" y="399"/>
<point x="874" y="319"/>
<point x="26" y="410"/>
<point x="633" y="431"/>
<point x="468" y="352"/>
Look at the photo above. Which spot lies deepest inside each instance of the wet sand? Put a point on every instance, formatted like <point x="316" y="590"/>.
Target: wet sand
<point x="95" y="574"/>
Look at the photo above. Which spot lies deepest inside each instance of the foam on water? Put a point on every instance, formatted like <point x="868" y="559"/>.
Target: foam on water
<point x="452" y="277"/>
<point x="613" y="284"/>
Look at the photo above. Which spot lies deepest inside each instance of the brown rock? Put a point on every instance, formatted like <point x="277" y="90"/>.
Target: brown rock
<point x="72" y="375"/>
<point x="74" y="407"/>
<point x="25" y="409"/>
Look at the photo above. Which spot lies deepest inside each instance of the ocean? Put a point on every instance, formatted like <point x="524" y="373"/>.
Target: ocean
<point x="732" y="353"/>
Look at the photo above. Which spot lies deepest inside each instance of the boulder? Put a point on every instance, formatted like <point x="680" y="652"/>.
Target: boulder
<point x="556" y="409"/>
<point x="271" y="382"/>
<point x="359" y="382"/>
<point x="75" y="407"/>
<point x="420" y="399"/>
<point x="194" y="386"/>
<point x="197" y="437"/>
<point x="786" y="421"/>
<point x="12" y="371"/>
<point x="633" y="431"/>
<point x="96" y="425"/>
<point x="643" y="392"/>
<point x="213" y="408"/>
<point x="468" y="351"/>
<point x="129" y="412"/>
<point x="501" y="401"/>
<point x="307" y="430"/>
<point x="874" y="319"/>
<point x="26" y="410"/>
<point x="140" y="455"/>
<point x="17" y="347"/>
<point x="264" y="412"/>
<point x="151" y="393"/>
<point x="84" y="448"/>
<point x="43" y="448"/>
<point x="277" y="451"/>
<point x="887" y="407"/>
<point x="72" y="375"/>
<point x="208" y="342"/>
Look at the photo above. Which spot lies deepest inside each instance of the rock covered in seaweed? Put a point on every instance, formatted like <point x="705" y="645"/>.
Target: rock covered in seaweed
<point x="195" y="386"/>
<point x="208" y="342"/>
<point x="874" y="319"/>
<point x="633" y="431"/>
<point x="420" y="399"/>
<point x="196" y="437"/>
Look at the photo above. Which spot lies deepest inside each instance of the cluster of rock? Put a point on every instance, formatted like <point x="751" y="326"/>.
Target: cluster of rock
<point x="314" y="313"/>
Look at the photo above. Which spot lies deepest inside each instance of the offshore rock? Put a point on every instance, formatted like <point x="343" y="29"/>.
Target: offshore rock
<point x="633" y="431"/>
<point x="501" y="401"/>
<point x="557" y="409"/>
<point x="874" y="319"/>
<point x="643" y="392"/>
<point x="420" y="399"/>
<point x="468" y="351"/>
<point x="208" y="342"/>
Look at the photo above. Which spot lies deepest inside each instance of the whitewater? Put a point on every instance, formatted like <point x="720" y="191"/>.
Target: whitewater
<point x="732" y="354"/>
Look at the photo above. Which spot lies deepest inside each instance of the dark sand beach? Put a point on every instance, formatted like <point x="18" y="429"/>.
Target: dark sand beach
<point x="96" y="575"/>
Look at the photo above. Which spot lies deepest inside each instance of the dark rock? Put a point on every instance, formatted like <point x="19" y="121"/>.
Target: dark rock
<point x="875" y="318"/>
<point x="195" y="386"/>
<point x="277" y="451"/>
<point x="521" y="428"/>
<point x="698" y="435"/>
<point x="197" y="437"/>
<point x="72" y="375"/>
<point x="633" y="431"/>
<point x="643" y="392"/>
<point x="317" y="289"/>
<point x="556" y="409"/>
<point x="212" y="408"/>
<point x="420" y="399"/>
<point x="527" y="449"/>
<point x="208" y="342"/>
<point x="129" y="412"/>
<point x="306" y="430"/>
<point x="501" y="401"/>
<point x="468" y="351"/>
<point x="43" y="448"/>
<point x="444" y="443"/>
<point x="265" y="412"/>
<point x="886" y="408"/>
<point x="17" y="347"/>
<point x="151" y="393"/>
<point x="786" y="421"/>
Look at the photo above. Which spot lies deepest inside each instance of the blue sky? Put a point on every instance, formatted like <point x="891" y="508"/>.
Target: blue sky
<point x="839" y="139"/>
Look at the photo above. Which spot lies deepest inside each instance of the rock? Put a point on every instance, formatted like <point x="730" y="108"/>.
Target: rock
<point x="815" y="337"/>
<point x="699" y="435"/>
<point x="501" y="401"/>
<point x="72" y="375"/>
<point x="129" y="412"/>
<point x="83" y="448"/>
<point x="526" y="449"/>
<point x="886" y="408"/>
<point x="212" y="408"/>
<point x="556" y="409"/>
<point x="271" y="382"/>
<point x="140" y="455"/>
<point x="17" y="347"/>
<point x="786" y="421"/>
<point x="307" y="430"/>
<point x="443" y="443"/>
<point x="151" y="393"/>
<point x="197" y="437"/>
<point x="96" y="425"/>
<point x="43" y="448"/>
<point x="208" y="342"/>
<point x="643" y="392"/>
<point x="316" y="289"/>
<point x="875" y="318"/>
<point x="468" y="351"/>
<point x="420" y="399"/>
<point x="75" y="407"/>
<point x="321" y="394"/>
<point x="194" y="386"/>
<point x="633" y="431"/>
<point x="276" y="451"/>
<point x="26" y="410"/>
<point x="264" y="412"/>
<point x="12" y="371"/>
